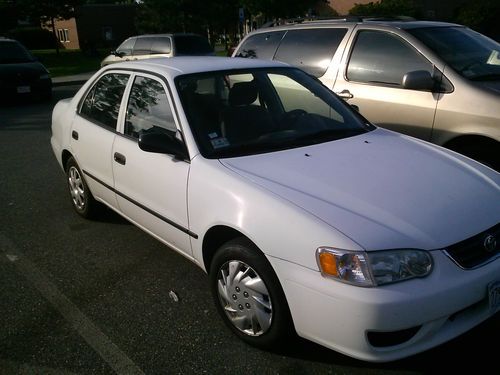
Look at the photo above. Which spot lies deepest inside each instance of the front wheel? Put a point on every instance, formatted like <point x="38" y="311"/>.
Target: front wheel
<point x="248" y="295"/>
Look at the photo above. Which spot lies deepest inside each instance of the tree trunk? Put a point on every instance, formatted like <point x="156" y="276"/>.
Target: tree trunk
<point x="53" y="24"/>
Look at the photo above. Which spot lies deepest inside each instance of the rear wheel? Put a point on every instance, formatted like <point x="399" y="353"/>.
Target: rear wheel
<point x="248" y="295"/>
<point x="81" y="197"/>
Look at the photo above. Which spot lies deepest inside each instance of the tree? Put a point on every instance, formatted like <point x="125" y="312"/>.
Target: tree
<point x="386" y="8"/>
<point x="279" y="8"/>
<point x="481" y="15"/>
<point x="157" y="16"/>
<point x="47" y="11"/>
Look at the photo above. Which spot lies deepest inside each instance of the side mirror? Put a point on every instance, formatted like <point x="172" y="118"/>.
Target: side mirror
<point x="117" y="54"/>
<point x="163" y="143"/>
<point x="418" y="80"/>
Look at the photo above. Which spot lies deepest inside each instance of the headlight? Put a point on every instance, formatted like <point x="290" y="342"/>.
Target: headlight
<point x="44" y="76"/>
<point x="373" y="268"/>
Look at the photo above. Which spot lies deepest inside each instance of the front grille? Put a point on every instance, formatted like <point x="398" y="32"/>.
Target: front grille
<point x="474" y="251"/>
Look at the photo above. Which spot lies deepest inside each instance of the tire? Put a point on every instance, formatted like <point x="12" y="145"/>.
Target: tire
<point x="81" y="198"/>
<point x="248" y="295"/>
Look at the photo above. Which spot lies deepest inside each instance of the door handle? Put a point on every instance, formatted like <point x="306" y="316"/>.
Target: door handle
<point x="119" y="158"/>
<point x="345" y="94"/>
<point x="74" y="135"/>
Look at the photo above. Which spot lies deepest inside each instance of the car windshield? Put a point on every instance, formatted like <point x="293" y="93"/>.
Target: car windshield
<point x="469" y="53"/>
<point x="236" y="113"/>
<point x="13" y="52"/>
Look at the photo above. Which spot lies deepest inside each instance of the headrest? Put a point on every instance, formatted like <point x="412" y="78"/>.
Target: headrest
<point x="242" y="93"/>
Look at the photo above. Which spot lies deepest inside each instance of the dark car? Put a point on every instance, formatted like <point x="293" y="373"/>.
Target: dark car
<point x="20" y="73"/>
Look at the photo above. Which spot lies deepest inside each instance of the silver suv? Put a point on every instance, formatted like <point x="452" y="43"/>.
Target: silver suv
<point x="159" y="45"/>
<point x="436" y="81"/>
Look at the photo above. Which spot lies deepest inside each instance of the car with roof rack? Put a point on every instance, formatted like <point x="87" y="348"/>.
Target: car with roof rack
<point x="436" y="81"/>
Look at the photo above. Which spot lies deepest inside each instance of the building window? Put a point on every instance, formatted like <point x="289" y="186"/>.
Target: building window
<point x="63" y="35"/>
<point x="107" y="33"/>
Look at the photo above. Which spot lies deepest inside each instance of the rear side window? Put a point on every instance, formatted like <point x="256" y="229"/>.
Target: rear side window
<point x="102" y="103"/>
<point x="192" y="45"/>
<point x="143" y="46"/>
<point x="161" y="45"/>
<point x="380" y="57"/>
<point x="311" y="50"/>
<point x="261" y="46"/>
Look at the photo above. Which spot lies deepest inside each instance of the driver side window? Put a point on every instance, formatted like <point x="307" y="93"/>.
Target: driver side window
<point x="383" y="58"/>
<point x="148" y="108"/>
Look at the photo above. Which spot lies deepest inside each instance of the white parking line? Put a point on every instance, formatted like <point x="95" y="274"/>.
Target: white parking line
<point x="108" y="351"/>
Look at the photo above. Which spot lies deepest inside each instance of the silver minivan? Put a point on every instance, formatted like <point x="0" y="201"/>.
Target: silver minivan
<point x="432" y="80"/>
<point x="159" y="45"/>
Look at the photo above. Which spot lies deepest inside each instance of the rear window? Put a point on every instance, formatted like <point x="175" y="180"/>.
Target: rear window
<point x="261" y="46"/>
<point x="192" y="45"/>
<point x="13" y="52"/>
<point x="310" y="49"/>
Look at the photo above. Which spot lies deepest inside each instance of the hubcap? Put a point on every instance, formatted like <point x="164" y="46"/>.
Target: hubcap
<point x="244" y="297"/>
<point x="76" y="188"/>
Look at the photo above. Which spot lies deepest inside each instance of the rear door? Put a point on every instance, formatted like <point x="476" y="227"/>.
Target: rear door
<point x="371" y="78"/>
<point x="94" y="131"/>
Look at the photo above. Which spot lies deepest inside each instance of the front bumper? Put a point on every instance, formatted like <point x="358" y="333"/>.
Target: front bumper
<point x="344" y="318"/>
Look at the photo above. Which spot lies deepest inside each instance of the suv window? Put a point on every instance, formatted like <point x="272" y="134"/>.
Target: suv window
<point x="148" y="108"/>
<point x="192" y="45"/>
<point x="102" y="103"/>
<point x="310" y="49"/>
<point x="261" y="46"/>
<point x="380" y="57"/>
<point x="126" y="47"/>
<point x="161" y="45"/>
<point x="143" y="46"/>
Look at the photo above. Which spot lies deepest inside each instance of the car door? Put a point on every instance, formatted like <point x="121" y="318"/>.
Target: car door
<point x="371" y="79"/>
<point x="151" y="187"/>
<point x="93" y="134"/>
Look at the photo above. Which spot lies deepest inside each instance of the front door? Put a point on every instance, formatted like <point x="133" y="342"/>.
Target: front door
<point x="151" y="188"/>
<point x="372" y="81"/>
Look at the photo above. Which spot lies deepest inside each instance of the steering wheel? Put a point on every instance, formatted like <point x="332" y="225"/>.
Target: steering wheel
<point x="290" y="118"/>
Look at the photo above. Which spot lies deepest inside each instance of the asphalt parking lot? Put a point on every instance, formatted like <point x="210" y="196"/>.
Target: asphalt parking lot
<point x="92" y="297"/>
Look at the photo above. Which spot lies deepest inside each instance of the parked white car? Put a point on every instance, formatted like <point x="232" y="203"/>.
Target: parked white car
<point x="307" y="218"/>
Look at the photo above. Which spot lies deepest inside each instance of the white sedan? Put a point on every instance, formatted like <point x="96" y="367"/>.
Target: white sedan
<point x="307" y="218"/>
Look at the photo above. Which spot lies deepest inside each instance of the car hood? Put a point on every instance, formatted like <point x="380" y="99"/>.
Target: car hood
<point x="382" y="189"/>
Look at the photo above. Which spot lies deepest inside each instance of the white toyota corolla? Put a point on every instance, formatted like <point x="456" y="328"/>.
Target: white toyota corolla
<point x="306" y="217"/>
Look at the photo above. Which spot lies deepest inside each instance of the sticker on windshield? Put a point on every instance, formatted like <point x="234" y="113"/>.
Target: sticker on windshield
<point x="219" y="142"/>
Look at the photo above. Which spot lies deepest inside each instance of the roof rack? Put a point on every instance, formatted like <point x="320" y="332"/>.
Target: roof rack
<point x="348" y="18"/>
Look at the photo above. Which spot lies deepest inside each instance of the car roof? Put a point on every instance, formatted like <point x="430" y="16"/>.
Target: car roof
<point x="175" y="66"/>
<point x="163" y="35"/>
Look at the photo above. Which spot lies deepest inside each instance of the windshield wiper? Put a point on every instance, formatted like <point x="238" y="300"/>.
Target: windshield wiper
<point x="486" y="77"/>
<point x="326" y="136"/>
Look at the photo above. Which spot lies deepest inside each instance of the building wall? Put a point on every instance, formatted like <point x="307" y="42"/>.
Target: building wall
<point x="343" y="6"/>
<point x="66" y="33"/>
<point x="104" y="25"/>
